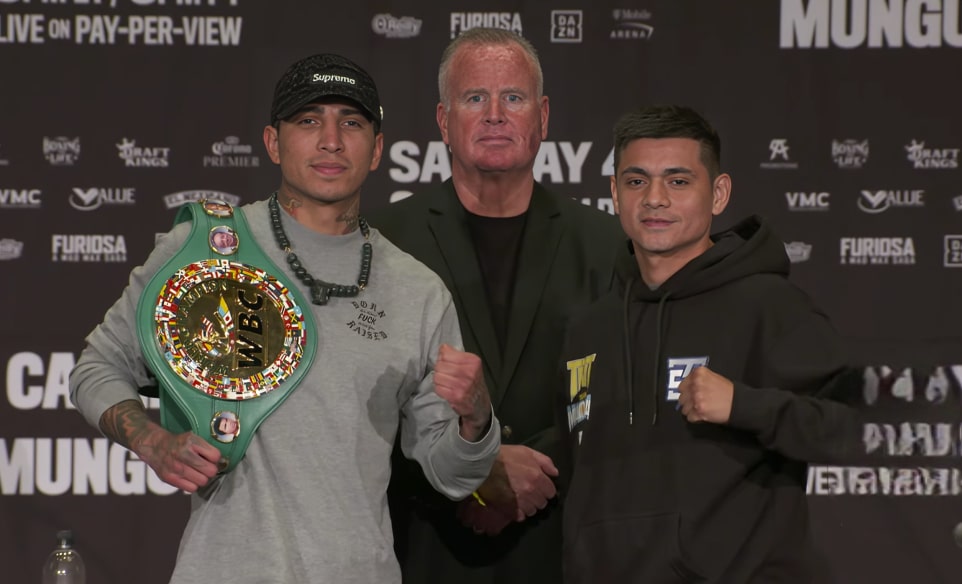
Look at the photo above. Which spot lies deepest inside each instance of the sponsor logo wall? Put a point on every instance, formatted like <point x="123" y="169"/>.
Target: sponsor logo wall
<point x="839" y="124"/>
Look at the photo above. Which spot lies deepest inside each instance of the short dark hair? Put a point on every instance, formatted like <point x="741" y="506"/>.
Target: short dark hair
<point x="669" y="121"/>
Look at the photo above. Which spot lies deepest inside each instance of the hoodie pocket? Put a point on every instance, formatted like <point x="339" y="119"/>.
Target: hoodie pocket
<point x="642" y="549"/>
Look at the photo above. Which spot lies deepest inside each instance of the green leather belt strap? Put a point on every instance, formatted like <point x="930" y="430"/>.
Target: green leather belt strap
<point x="224" y="331"/>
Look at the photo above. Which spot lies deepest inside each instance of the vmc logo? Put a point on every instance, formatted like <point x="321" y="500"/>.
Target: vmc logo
<point x="802" y="201"/>
<point x="20" y="198"/>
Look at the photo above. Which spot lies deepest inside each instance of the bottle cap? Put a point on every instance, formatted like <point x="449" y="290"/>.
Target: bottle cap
<point x="65" y="538"/>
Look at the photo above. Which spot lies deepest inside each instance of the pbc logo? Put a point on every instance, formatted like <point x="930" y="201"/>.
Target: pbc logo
<point x="566" y="26"/>
<point x="800" y="201"/>
<point x="678" y="369"/>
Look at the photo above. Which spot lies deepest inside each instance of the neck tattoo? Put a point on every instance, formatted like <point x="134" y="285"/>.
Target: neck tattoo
<point x="350" y="219"/>
<point x="290" y="205"/>
<point x="321" y="291"/>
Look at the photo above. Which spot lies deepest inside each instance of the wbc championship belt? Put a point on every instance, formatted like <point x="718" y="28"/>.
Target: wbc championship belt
<point x="226" y="336"/>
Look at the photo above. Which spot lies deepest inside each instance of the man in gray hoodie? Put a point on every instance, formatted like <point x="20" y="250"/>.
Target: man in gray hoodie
<point x="317" y="360"/>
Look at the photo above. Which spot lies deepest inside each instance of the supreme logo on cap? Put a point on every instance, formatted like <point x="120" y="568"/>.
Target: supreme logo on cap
<point x="322" y="78"/>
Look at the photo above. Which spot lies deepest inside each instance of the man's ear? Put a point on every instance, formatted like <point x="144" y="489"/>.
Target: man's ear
<point x="270" y="143"/>
<point x="721" y="193"/>
<point x="378" y="150"/>
<point x="614" y="193"/>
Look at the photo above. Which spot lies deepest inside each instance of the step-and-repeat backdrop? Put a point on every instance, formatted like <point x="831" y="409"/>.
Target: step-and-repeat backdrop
<point x="840" y="121"/>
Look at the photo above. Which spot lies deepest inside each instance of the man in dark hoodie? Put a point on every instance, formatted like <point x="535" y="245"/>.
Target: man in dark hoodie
<point x="698" y="389"/>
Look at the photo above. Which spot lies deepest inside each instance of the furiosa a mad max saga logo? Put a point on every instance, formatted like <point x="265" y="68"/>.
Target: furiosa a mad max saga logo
<point x="88" y="248"/>
<point x="465" y="21"/>
<point x="877" y="251"/>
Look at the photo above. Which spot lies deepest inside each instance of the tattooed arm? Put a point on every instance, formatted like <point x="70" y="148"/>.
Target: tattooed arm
<point x="185" y="460"/>
<point x="105" y="379"/>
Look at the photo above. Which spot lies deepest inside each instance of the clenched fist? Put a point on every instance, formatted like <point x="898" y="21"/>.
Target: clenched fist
<point x="459" y="380"/>
<point x="706" y="396"/>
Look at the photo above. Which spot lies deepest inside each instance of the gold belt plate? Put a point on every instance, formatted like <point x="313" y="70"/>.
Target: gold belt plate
<point x="228" y="329"/>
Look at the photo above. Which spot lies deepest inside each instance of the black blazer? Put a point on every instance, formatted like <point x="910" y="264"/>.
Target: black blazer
<point x="566" y="259"/>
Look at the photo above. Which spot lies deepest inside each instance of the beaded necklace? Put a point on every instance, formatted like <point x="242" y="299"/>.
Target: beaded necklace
<point x="321" y="291"/>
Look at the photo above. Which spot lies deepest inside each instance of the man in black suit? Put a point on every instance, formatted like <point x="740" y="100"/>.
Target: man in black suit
<point x="516" y="259"/>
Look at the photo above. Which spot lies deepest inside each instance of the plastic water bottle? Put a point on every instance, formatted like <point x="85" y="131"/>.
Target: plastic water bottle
<point x="64" y="565"/>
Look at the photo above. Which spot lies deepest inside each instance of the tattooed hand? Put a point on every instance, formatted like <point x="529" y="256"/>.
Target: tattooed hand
<point x="459" y="380"/>
<point x="185" y="460"/>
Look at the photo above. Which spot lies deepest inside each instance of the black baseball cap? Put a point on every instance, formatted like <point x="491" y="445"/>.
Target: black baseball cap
<point x="325" y="75"/>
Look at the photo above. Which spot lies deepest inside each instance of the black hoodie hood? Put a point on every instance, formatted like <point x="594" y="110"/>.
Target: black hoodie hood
<point x="750" y="247"/>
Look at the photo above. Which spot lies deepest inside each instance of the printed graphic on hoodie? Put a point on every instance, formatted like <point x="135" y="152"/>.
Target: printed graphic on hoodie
<point x="678" y="369"/>
<point x="579" y="374"/>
